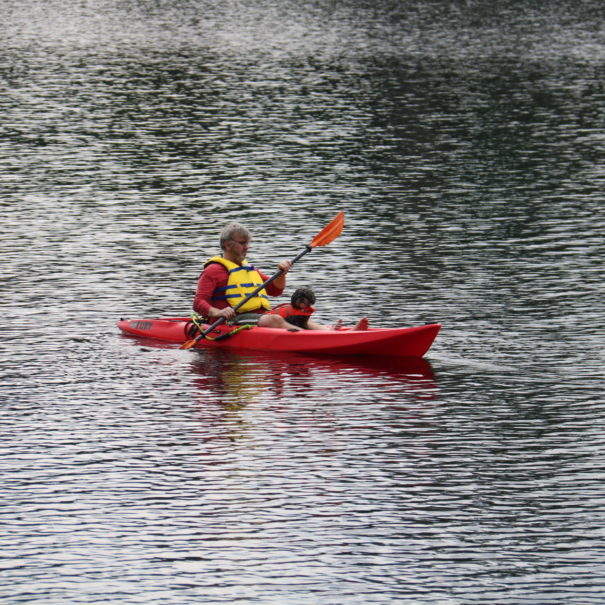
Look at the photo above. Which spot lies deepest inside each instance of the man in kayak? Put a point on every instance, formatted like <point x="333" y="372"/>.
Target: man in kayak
<point x="300" y="308"/>
<point x="227" y="279"/>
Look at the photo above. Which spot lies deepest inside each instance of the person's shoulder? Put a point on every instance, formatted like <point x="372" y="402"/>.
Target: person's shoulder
<point x="214" y="268"/>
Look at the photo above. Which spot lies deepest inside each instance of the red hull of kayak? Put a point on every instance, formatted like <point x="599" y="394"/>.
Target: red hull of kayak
<point x="398" y="342"/>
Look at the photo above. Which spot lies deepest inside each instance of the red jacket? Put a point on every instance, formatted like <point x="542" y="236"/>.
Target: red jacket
<point x="297" y="317"/>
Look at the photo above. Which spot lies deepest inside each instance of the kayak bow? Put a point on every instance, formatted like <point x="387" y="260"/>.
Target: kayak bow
<point x="397" y="342"/>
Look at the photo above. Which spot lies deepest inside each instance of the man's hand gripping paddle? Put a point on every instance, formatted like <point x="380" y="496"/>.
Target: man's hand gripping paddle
<point x="328" y="234"/>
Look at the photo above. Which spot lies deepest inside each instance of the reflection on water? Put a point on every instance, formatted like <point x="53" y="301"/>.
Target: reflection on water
<point x="238" y="380"/>
<point x="463" y="141"/>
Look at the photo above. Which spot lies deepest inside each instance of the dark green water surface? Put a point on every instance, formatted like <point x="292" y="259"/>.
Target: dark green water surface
<point x="465" y="143"/>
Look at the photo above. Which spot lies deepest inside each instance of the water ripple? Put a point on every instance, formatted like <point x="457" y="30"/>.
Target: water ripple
<point x="463" y="154"/>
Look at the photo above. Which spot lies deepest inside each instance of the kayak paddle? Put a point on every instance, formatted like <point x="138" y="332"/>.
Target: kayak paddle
<point x="328" y="234"/>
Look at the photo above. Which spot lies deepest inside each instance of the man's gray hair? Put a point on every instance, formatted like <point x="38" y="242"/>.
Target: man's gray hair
<point x="231" y="230"/>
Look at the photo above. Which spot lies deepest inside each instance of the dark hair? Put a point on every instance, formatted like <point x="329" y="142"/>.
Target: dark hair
<point x="302" y="294"/>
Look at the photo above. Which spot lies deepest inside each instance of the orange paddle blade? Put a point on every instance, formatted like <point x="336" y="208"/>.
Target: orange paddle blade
<point x="188" y="344"/>
<point x="330" y="232"/>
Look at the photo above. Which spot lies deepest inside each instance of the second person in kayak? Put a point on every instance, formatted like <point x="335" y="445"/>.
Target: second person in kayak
<point x="300" y="309"/>
<point x="228" y="278"/>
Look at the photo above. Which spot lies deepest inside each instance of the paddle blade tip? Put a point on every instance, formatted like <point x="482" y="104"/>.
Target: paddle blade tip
<point x="330" y="232"/>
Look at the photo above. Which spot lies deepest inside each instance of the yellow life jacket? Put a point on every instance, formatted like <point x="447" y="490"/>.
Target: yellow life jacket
<point x="243" y="279"/>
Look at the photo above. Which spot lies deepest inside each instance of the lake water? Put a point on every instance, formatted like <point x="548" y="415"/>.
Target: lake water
<point x="464" y="142"/>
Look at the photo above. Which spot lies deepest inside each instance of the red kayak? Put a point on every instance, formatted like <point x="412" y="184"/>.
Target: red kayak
<point x="397" y="342"/>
